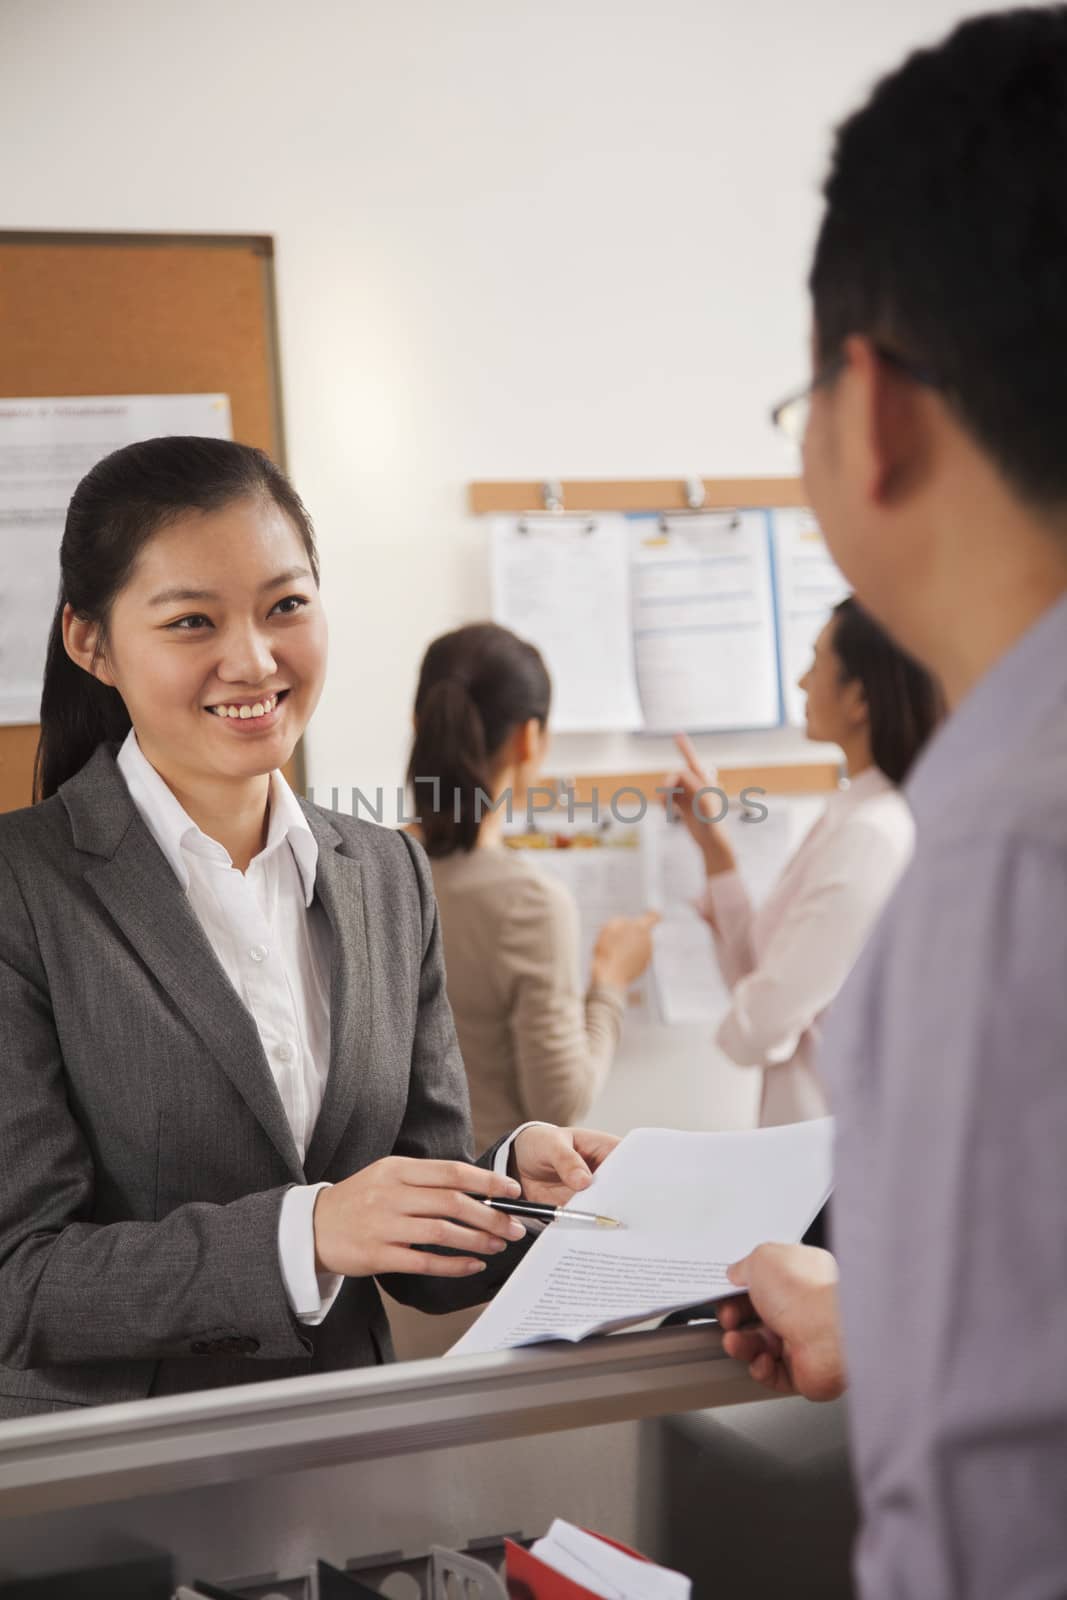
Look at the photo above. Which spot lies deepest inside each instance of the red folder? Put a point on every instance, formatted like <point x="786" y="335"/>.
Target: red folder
<point x="529" y="1579"/>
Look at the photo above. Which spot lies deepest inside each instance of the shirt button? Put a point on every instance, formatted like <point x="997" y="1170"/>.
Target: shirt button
<point x="283" y="1053"/>
<point x="258" y="952"/>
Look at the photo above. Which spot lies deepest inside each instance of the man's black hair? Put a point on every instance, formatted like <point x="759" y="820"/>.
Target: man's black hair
<point x="945" y="235"/>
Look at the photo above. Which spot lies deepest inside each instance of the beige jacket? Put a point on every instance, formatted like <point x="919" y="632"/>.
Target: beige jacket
<point x="535" y="1048"/>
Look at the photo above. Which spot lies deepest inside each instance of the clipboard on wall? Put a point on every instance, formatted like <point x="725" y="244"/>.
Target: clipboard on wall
<point x="701" y="612"/>
<point x="646" y="623"/>
<point x="705" y="636"/>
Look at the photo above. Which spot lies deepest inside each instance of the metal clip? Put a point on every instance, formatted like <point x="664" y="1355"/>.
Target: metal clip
<point x="730" y="515"/>
<point x="555" y="513"/>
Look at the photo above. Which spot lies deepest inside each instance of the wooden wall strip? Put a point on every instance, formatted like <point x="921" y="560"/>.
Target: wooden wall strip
<point x="787" y="779"/>
<point x="654" y="494"/>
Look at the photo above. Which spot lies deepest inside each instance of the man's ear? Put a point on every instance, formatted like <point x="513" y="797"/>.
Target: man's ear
<point x="81" y="640"/>
<point x="890" y="431"/>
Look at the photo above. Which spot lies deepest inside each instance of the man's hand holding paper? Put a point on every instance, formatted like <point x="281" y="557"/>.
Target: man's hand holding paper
<point x="690" y="1204"/>
<point x="795" y="1348"/>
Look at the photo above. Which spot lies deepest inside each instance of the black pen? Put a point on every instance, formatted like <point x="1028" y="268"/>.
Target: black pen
<point x="524" y="1208"/>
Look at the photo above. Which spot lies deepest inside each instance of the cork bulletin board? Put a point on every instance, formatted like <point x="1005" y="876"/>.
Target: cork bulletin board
<point x="99" y="314"/>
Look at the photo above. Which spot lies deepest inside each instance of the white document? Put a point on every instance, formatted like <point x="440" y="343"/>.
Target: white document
<point x="690" y="1203"/>
<point x="809" y="586"/>
<point x="656" y="866"/>
<point x="46" y="447"/>
<point x="605" y="1571"/>
<point x="703" y="622"/>
<point x="563" y="583"/>
<point x="607" y="880"/>
<point x="688" y="984"/>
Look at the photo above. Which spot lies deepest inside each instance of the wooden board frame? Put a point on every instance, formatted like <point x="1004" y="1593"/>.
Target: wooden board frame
<point x="786" y="778"/>
<point x="637" y="494"/>
<point x="139" y="313"/>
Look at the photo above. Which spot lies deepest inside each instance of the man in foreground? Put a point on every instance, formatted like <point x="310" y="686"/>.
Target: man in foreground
<point x="936" y="461"/>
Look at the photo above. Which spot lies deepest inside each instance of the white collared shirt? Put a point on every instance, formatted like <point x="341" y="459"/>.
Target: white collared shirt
<point x="786" y="960"/>
<point x="274" y="945"/>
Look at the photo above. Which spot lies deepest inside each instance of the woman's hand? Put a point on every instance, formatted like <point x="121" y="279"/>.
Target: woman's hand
<point x="623" y="949"/>
<point x="694" y="810"/>
<point x="552" y="1164"/>
<point x="796" y="1346"/>
<point x="371" y="1221"/>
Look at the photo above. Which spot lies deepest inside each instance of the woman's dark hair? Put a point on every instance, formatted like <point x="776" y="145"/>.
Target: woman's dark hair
<point x="115" y="510"/>
<point x="476" y="686"/>
<point x="904" y="703"/>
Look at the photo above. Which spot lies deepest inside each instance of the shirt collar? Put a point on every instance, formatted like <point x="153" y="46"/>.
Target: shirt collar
<point x="871" y="781"/>
<point x="175" y="832"/>
<point x="289" y="824"/>
<point x="998" y="714"/>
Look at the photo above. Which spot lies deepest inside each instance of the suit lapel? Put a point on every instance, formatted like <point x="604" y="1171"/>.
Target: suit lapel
<point x="339" y="890"/>
<point x="136" y="885"/>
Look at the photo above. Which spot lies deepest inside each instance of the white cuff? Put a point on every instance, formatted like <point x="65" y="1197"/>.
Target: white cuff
<point x="500" y="1160"/>
<point x="500" y="1167"/>
<point x="311" y="1294"/>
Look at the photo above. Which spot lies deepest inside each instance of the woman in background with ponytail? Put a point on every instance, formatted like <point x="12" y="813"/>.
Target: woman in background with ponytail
<point x="534" y="1046"/>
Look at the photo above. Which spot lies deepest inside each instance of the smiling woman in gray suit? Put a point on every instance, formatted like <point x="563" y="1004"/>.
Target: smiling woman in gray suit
<point x="230" y="1092"/>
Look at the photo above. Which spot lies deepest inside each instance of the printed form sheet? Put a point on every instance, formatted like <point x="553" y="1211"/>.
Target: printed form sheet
<point x="46" y="447"/>
<point x="688" y="985"/>
<point x="690" y="1204"/>
<point x="607" y="875"/>
<point x="563" y="583"/>
<point x="703" y="622"/>
<point x="809" y="586"/>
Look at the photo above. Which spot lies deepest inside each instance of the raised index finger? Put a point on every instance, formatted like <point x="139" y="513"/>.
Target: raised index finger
<point x="689" y="755"/>
<point x="461" y="1175"/>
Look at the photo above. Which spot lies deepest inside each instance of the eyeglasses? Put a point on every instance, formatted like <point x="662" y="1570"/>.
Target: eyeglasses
<point x="791" y="415"/>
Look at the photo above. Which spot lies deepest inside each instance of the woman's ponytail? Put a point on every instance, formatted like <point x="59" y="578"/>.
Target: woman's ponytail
<point x="449" y="769"/>
<point x="78" y="712"/>
<point x="476" y="686"/>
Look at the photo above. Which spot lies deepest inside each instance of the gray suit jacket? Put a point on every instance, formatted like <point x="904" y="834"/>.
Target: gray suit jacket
<point x="144" y="1149"/>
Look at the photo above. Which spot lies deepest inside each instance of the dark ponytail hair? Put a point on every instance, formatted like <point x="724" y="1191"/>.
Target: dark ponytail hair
<point x="904" y="703"/>
<point x="114" y="512"/>
<point x="476" y="686"/>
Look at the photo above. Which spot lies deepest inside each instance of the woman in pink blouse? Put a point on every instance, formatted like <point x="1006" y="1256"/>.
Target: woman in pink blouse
<point x="786" y="960"/>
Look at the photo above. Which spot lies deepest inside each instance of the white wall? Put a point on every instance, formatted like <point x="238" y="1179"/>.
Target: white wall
<point x="516" y="238"/>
